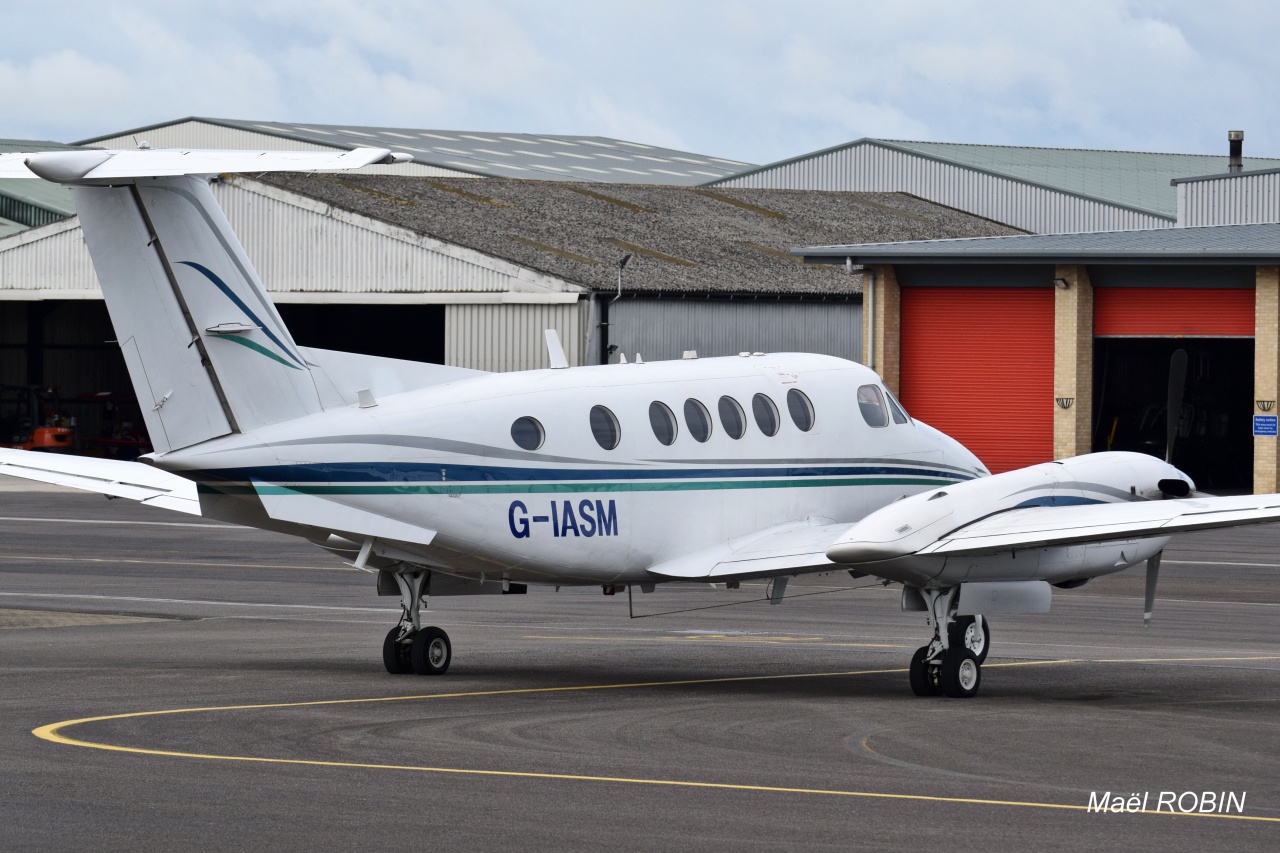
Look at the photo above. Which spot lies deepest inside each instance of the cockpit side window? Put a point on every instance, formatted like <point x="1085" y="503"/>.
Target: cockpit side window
<point x="895" y="408"/>
<point x="871" y="404"/>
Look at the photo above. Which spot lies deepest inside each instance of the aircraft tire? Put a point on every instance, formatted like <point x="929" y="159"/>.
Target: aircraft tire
<point x="961" y="635"/>
<point x="961" y="674"/>
<point x="921" y="685"/>
<point x="395" y="656"/>
<point x="431" y="652"/>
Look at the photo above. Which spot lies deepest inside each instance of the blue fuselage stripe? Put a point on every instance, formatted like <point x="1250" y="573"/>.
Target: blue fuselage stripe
<point x="412" y="472"/>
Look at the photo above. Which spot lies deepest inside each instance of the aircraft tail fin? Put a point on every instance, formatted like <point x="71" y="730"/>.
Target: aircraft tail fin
<point x="206" y="350"/>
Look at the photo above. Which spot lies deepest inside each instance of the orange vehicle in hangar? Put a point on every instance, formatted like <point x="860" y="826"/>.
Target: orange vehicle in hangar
<point x="31" y="419"/>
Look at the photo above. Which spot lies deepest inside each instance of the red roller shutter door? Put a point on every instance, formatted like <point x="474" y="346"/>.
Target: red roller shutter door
<point x="1162" y="312"/>
<point x="977" y="363"/>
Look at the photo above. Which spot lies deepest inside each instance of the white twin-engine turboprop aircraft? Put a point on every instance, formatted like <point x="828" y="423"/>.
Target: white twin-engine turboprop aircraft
<point x="446" y="481"/>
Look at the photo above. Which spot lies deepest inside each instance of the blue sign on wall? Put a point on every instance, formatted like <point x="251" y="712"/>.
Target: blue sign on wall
<point x="1265" y="424"/>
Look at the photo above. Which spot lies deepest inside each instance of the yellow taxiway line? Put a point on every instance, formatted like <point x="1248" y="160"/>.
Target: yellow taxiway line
<point x="53" y="733"/>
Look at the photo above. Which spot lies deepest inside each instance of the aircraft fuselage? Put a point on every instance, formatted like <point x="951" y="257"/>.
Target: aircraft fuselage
<point x="571" y="510"/>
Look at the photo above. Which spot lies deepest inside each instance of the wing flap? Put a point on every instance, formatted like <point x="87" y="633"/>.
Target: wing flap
<point x="132" y="480"/>
<point x="1032" y="527"/>
<point x="779" y="550"/>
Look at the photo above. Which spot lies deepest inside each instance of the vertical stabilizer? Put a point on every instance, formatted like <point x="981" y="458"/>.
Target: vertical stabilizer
<point x="206" y="350"/>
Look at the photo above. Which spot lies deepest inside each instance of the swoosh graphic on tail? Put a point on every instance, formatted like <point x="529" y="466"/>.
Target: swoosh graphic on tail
<point x="239" y="303"/>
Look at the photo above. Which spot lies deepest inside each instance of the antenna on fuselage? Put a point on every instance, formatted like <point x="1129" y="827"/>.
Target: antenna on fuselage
<point x="555" y="351"/>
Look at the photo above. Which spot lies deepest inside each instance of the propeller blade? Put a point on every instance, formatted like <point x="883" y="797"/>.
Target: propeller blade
<point x="1153" y="574"/>
<point x="1173" y="408"/>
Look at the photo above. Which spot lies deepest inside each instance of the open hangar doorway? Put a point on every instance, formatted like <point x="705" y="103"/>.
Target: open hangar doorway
<point x="409" y="332"/>
<point x="1214" y="444"/>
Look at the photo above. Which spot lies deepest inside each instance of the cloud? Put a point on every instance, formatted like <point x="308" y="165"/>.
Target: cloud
<point x="746" y="79"/>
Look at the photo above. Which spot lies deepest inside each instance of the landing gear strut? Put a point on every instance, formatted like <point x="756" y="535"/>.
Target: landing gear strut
<point x="409" y="647"/>
<point x="951" y="664"/>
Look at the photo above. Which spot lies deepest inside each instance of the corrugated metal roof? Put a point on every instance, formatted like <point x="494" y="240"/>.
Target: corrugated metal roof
<point x="1134" y="179"/>
<point x="1222" y="176"/>
<point x="1220" y="244"/>
<point x="506" y="155"/>
<point x="683" y="239"/>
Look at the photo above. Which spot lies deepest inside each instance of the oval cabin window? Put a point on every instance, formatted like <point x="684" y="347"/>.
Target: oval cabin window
<point x="766" y="414"/>
<point x="663" y="421"/>
<point x="732" y="418"/>
<point x="604" y="426"/>
<point x="527" y="433"/>
<point x="801" y="409"/>
<point x="698" y="419"/>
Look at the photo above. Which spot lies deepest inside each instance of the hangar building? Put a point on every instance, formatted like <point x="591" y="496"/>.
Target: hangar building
<point x="1066" y="342"/>
<point x="1038" y="190"/>
<point x="469" y="271"/>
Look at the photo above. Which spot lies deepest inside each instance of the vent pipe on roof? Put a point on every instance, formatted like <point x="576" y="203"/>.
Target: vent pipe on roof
<point x="1235" y="158"/>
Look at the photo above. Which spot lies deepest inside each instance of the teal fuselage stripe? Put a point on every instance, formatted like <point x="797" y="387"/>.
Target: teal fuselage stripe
<point x="559" y="488"/>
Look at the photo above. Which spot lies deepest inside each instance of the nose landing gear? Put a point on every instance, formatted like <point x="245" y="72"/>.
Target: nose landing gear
<point x="951" y="664"/>
<point x="408" y="647"/>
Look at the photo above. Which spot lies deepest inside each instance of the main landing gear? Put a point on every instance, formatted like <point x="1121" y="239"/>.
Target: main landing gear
<point x="409" y="647"/>
<point x="951" y="664"/>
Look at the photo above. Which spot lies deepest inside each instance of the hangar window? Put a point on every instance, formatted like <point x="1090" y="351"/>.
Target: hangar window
<point x="766" y="414"/>
<point x="698" y="419"/>
<point x="663" y="421"/>
<point x="732" y="418"/>
<point x="871" y="404"/>
<point x="801" y="409"/>
<point x="526" y="432"/>
<point x="604" y="426"/>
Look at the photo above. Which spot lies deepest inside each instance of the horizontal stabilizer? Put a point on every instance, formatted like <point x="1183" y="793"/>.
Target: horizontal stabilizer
<point x="132" y="480"/>
<point x="88" y="165"/>
<point x="780" y="550"/>
<point x="1034" y="527"/>
<point x="285" y="504"/>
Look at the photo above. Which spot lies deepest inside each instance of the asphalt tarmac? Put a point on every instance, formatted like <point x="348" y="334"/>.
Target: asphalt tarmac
<point x="167" y="683"/>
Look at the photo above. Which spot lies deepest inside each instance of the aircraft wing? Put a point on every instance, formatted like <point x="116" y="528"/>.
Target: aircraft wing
<point x="94" y="164"/>
<point x="786" y="549"/>
<point x="1034" y="527"/>
<point x="113" y="477"/>
<point x="1040" y="526"/>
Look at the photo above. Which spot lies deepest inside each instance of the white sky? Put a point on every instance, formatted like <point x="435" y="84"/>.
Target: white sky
<point x="749" y="80"/>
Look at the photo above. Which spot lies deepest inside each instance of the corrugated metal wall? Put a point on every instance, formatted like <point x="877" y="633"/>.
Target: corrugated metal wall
<point x="51" y="258"/>
<point x="661" y="329"/>
<point x="198" y="134"/>
<point x="1246" y="200"/>
<point x="510" y="337"/>
<point x="31" y="215"/>
<point x="871" y="168"/>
